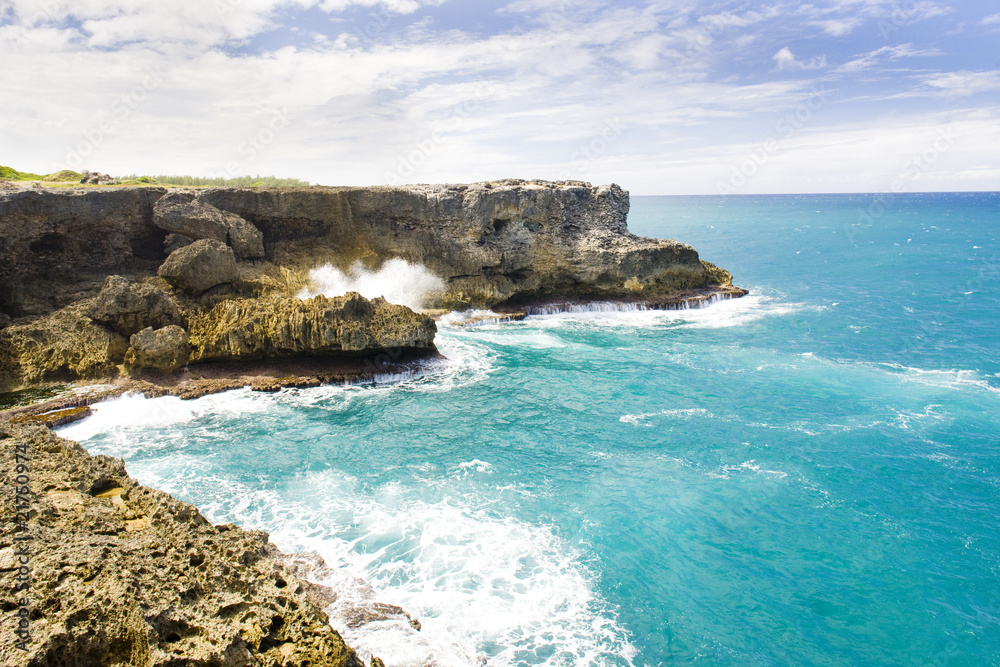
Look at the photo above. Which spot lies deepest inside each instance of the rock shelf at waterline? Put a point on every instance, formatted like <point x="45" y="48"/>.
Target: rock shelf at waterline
<point x="106" y="282"/>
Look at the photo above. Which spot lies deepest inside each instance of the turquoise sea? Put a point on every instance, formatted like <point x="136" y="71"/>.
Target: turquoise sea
<point x="806" y="476"/>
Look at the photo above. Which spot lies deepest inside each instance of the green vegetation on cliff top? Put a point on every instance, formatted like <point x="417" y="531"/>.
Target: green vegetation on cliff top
<point x="67" y="176"/>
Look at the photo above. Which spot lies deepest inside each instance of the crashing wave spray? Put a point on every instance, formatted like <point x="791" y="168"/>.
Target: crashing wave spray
<point x="397" y="280"/>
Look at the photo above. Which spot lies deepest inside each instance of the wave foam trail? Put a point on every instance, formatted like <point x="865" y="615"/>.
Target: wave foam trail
<point x="487" y="589"/>
<point x="397" y="280"/>
<point x="127" y="412"/>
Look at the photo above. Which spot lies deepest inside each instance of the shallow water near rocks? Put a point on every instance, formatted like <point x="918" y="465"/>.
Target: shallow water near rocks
<point x="808" y="475"/>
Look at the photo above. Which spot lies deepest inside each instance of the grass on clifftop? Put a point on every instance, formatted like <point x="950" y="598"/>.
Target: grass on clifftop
<point x="257" y="181"/>
<point x="67" y="176"/>
<point x="12" y="174"/>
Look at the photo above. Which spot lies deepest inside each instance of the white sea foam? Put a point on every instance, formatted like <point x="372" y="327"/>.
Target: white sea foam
<point x="483" y="586"/>
<point x="397" y="280"/>
<point x="760" y="303"/>
<point x="135" y="410"/>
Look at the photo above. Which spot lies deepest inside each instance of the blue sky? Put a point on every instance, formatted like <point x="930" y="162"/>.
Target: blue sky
<point x="669" y="97"/>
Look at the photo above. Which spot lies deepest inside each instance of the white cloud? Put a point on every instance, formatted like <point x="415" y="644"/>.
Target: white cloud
<point x="885" y="54"/>
<point x="993" y="19"/>
<point x="686" y="92"/>
<point x="965" y="83"/>
<point x="839" y="27"/>
<point x="785" y="59"/>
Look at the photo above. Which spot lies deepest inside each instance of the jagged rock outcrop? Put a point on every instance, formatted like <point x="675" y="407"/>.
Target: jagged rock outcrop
<point x="183" y="214"/>
<point x="200" y="266"/>
<point x="124" y="575"/>
<point x="66" y="345"/>
<point x="510" y="241"/>
<point x="130" y="307"/>
<point x="278" y="327"/>
<point x="162" y="350"/>
<point x="69" y="345"/>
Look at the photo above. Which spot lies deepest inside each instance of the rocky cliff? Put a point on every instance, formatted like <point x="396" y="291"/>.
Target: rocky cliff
<point x="103" y="572"/>
<point x="491" y="243"/>
<point x="214" y="275"/>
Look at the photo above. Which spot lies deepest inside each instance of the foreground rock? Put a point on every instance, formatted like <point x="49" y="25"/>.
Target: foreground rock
<point x="123" y="575"/>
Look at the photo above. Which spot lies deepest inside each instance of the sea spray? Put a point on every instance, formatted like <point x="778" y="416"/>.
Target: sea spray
<point x="397" y="281"/>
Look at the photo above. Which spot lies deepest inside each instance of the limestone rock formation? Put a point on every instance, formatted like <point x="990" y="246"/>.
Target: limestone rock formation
<point x="246" y="240"/>
<point x="129" y="308"/>
<point x="277" y="327"/>
<point x="200" y="266"/>
<point x="162" y="350"/>
<point x="57" y="246"/>
<point x="506" y="242"/>
<point x="182" y="213"/>
<point x="123" y="575"/>
<point x="177" y="212"/>
<point x="67" y="345"/>
<point x="494" y="243"/>
<point x="175" y="242"/>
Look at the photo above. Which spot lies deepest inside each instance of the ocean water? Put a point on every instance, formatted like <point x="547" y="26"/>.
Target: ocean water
<point x="806" y="476"/>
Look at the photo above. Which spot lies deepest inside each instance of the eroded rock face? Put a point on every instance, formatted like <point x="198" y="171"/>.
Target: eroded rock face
<point x="66" y="345"/>
<point x="184" y="214"/>
<point x="277" y="327"/>
<point x="198" y="267"/>
<point x="163" y="350"/>
<point x="492" y="243"/>
<point x="57" y="246"/>
<point x="126" y="576"/>
<point x="129" y="308"/>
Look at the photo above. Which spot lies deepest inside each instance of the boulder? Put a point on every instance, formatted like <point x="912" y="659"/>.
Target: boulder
<point x="245" y="239"/>
<point x="97" y="178"/>
<point x="180" y="213"/>
<point x="163" y="350"/>
<point x="129" y="308"/>
<point x="183" y="213"/>
<point x="200" y="266"/>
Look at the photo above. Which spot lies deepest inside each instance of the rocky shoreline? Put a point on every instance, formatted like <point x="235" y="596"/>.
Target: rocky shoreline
<point x="103" y="571"/>
<point x="115" y="290"/>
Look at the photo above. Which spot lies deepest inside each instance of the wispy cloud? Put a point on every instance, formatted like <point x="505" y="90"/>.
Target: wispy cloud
<point x="884" y="55"/>
<point x="786" y="60"/>
<point x="516" y="89"/>
<point x="964" y="84"/>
